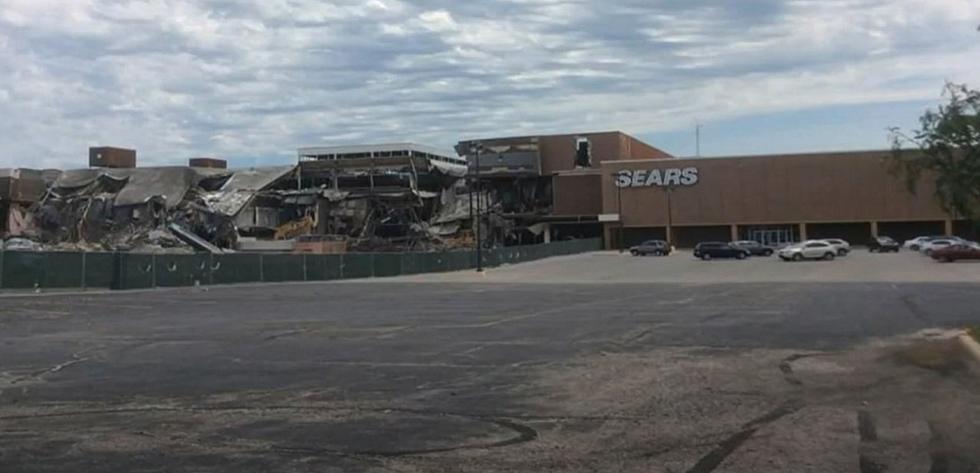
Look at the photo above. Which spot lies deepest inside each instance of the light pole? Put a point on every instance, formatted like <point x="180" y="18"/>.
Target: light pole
<point x="619" y="209"/>
<point x="697" y="139"/>
<point x="469" y="180"/>
<point x="479" y="186"/>
<point x="670" y="217"/>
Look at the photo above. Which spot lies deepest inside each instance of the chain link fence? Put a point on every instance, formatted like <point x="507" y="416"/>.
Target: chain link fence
<point x="69" y="270"/>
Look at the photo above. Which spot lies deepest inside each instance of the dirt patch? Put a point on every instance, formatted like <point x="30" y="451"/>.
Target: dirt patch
<point x="974" y="332"/>
<point x="944" y="356"/>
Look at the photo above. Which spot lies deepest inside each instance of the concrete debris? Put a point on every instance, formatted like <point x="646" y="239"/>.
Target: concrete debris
<point x="133" y="209"/>
<point x="20" y="221"/>
<point x="321" y="244"/>
<point x="192" y="239"/>
<point x="19" y="244"/>
<point x="254" y="245"/>
<point x="239" y="189"/>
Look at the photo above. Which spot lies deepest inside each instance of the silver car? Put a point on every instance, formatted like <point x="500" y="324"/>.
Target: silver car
<point x="812" y="250"/>
<point x="842" y="246"/>
<point x="928" y="247"/>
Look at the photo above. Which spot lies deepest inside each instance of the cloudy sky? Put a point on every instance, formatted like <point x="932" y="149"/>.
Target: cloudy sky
<point x="252" y="80"/>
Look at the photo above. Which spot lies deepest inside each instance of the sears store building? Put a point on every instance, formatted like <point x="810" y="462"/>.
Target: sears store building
<point x="627" y="191"/>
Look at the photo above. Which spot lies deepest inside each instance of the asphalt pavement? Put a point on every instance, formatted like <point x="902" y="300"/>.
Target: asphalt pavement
<point x="526" y="368"/>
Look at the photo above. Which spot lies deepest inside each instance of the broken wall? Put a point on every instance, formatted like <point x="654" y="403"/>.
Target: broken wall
<point x="18" y="221"/>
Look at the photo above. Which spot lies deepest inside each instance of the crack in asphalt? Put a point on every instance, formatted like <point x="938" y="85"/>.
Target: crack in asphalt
<point x="716" y="456"/>
<point x="714" y="317"/>
<point x="866" y="427"/>
<point x="523" y="433"/>
<point x="231" y="408"/>
<point x="530" y="315"/>
<point x="943" y="455"/>
<point x="913" y="307"/>
<point x="786" y="366"/>
<point x="788" y="374"/>
<point x="868" y="432"/>
<point x="938" y="454"/>
<point x="37" y="375"/>
<point x="285" y="333"/>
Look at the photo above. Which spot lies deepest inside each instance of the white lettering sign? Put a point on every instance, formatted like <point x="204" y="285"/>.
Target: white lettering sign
<point x="657" y="177"/>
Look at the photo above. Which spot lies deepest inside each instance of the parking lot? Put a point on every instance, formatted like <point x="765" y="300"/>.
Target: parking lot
<point x="681" y="267"/>
<point x="595" y="362"/>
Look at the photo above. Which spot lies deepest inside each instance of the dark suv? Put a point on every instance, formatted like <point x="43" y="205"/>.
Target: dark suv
<point x="883" y="244"/>
<point x="651" y="247"/>
<point x="754" y="248"/>
<point x="716" y="249"/>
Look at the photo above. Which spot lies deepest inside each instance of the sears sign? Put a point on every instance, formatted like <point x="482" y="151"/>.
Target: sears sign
<point x="657" y="177"/>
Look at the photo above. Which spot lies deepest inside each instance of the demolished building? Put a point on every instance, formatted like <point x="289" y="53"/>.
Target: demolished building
<point x="385" y="196"/>
<point x="335" y="199"/>
<point x="120" y="207"/>
<point x="381" y="197"/>
<point x="534" y="183"/>
<point x="19" y="190"/>
<point x="530" y="182"/>
<point x="138" y="209"/>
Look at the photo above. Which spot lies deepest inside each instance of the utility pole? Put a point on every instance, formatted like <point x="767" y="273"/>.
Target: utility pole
<point x="697" y="139"/>
<point x="469" y="180"/>
<point x="670" y="218"/>
<point x="619" y="204"/>
<point x="479" y="214"/>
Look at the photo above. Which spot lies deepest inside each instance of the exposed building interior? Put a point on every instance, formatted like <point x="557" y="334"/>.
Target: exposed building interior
<point x="336" y="199"/>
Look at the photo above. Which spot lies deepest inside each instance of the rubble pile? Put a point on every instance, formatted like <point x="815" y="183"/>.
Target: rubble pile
<point x="184" y="209"/>
<point x="129" y="210"/>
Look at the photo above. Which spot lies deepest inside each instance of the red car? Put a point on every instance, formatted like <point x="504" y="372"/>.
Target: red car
<point x="954" y="252"/>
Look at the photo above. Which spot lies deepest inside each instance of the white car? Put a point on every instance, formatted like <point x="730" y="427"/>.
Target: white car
<point x="812" y="249"/>
<point x="916" y="243"/>
<point x="842" y="246"/>
<point x="928" y="247"/>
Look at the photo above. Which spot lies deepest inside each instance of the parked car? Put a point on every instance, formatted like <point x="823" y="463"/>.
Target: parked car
<point x="754" y="248"/>
<point x="883" y="244"/>
<point x="651" y="247"/>
<point x="716" y="249"/>
<point x="813" y="249"/>
<point x="930" y="246"/>
<point x="957" y="251"/>
<point x="917" y="243"/>
<point x="842" y="247"/>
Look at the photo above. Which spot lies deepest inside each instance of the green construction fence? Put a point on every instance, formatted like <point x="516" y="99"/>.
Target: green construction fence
<point x="21" y="270"/>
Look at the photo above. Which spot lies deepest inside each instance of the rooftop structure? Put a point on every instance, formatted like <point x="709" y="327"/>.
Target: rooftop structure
<point x="385" y="155"/>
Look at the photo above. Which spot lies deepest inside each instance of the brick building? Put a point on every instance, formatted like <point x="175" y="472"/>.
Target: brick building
<point x="628" y="191"/>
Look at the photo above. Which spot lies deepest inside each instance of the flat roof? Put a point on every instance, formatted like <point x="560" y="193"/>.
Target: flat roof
<point x="547" y="135"/>
<point x="816" y="154"/>
<point x="378" y="148"/>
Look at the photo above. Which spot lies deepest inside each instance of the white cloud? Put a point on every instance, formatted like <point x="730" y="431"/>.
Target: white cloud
<point x="438" y="20"/>
<point x="252" y="81"/>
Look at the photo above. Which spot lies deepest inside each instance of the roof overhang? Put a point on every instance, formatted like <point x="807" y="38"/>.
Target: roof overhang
<point x="314" y="151"/>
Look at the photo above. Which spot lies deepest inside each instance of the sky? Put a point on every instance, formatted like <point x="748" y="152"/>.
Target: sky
<point x="252" y="81"/>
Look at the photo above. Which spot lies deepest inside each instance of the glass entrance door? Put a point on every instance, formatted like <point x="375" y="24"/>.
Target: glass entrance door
<point x="773" y="236"/>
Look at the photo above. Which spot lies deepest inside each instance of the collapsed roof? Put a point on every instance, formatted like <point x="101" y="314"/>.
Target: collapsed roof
<point x="239" y="190"/>
<point x="137" y="186"/>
